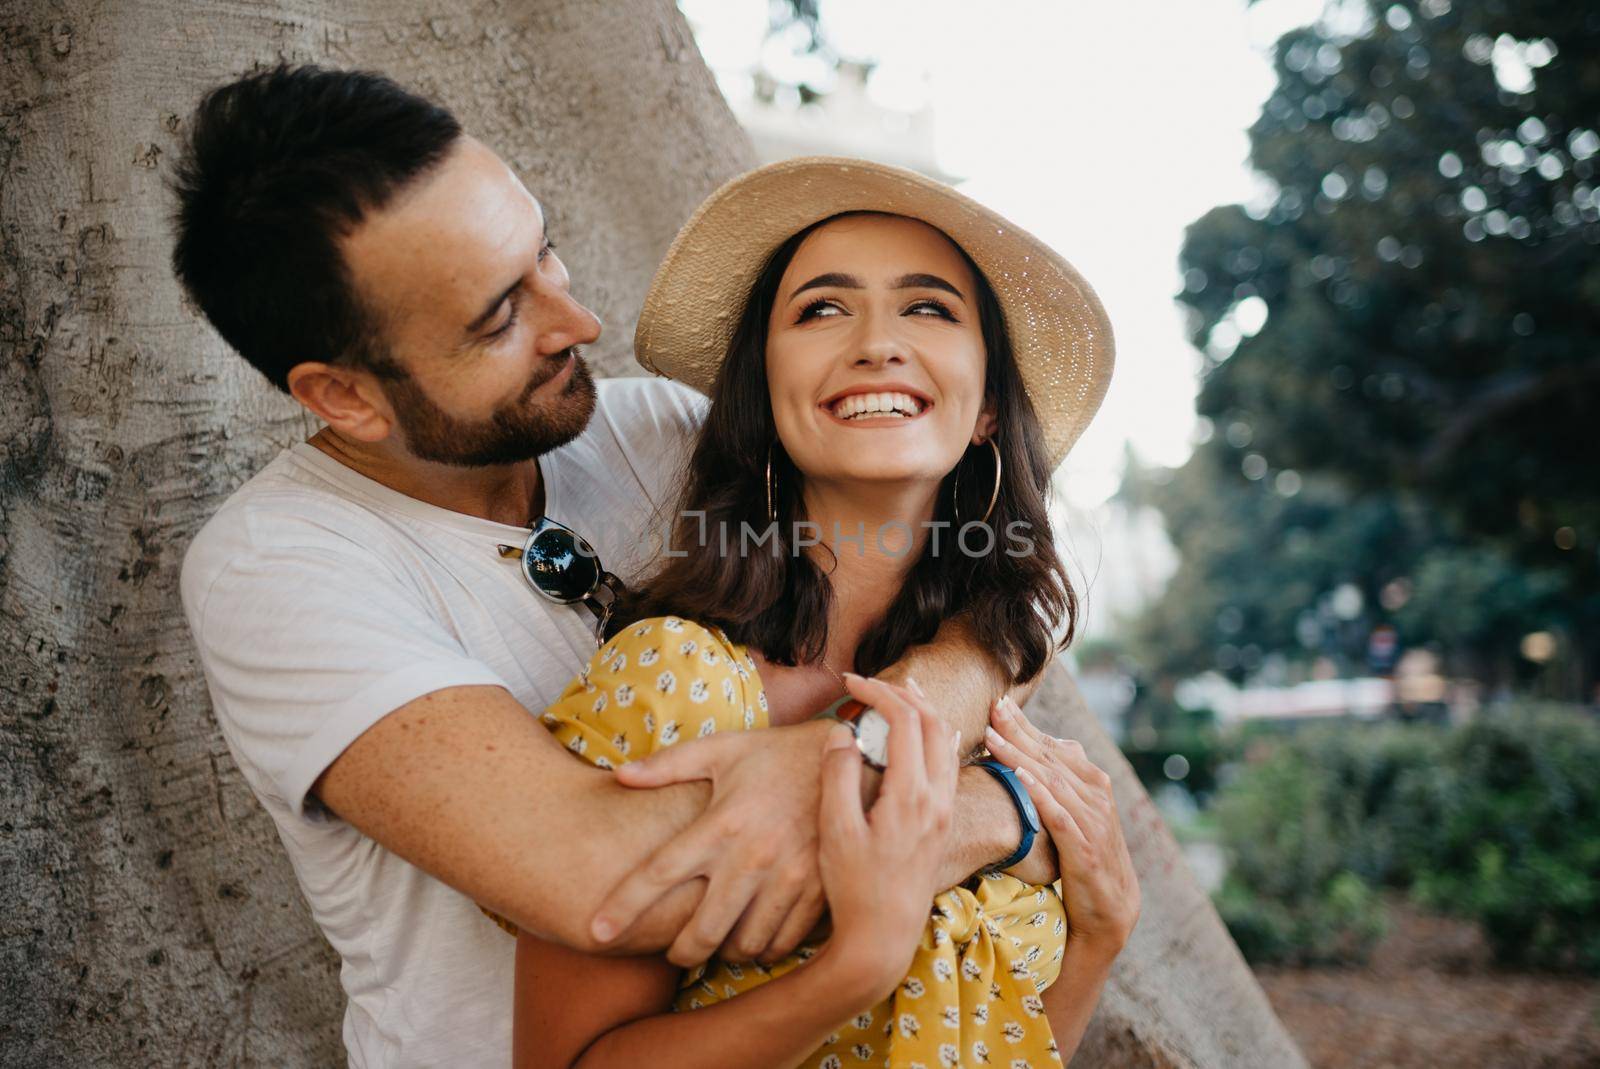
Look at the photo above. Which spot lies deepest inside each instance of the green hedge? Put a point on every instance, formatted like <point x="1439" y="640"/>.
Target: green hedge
<point x="1498" y="822"/>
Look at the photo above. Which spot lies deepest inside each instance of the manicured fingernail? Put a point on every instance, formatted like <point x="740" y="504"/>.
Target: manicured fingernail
<point x="1012" y="707"/>
<point x="958" y="740"/>
<point x="992" y="737"/>
<point x="851" y="675"/>
<point x="915" y="687"/>
<point x="838" y="736"/>
<point x="1025" y="776"/>
<point x="603" y="930"/>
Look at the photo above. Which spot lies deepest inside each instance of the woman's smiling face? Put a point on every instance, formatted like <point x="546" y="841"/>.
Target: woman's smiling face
<point x="875" y="359"/>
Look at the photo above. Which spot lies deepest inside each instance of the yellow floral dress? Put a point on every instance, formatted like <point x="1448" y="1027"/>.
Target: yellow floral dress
<point x="971" y="997"/>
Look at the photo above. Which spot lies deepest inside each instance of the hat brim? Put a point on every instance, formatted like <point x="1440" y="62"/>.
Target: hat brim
<point x="1059" y="330"/>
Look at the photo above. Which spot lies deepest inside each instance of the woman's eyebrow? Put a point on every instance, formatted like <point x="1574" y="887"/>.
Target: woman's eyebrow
<point x="920" y="281"/>
<point x="913" y="281"/>
<point x="833" y="279"/>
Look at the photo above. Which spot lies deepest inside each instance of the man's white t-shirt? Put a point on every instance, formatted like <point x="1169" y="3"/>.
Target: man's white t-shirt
<point x="321" y="601"/>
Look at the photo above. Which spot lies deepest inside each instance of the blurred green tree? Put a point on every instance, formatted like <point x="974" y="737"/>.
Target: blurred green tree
<point x="1400" y="361"/>
<point x="1296" y="576"/>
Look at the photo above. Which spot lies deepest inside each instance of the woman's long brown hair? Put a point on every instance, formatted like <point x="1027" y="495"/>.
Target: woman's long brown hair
<point x="776" y="599"/>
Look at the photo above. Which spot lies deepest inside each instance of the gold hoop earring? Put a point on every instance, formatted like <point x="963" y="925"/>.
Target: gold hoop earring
<point x="955" y="493"/>
<point x="772" y="511"/>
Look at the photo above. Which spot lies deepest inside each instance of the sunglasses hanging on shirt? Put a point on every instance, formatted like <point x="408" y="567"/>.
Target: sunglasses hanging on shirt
<point x="562" y="567"/>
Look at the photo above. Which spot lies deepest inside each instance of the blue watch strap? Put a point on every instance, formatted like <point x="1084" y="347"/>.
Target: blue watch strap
<point x="1027" y="815"/>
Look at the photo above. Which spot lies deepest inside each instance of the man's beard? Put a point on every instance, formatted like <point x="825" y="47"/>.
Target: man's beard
<point x="515" y="432"/>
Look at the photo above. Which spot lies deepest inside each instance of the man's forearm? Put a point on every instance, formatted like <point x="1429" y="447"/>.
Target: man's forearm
<point x="959" y="673"/>
<point x="466" y="785"/>
<point x="987" y="831"/>
<point x="550" y="889"/>
<point x="624" y="828"/>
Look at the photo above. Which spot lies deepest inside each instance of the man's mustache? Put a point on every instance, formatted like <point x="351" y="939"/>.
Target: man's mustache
<point x="551" y="369"/>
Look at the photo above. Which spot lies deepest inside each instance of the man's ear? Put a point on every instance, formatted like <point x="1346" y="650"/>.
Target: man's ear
<point x="347" y="399"/>
<point x="987" y="423"/>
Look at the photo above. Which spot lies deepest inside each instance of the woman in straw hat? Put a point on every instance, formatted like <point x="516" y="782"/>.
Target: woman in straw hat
<point x="894" y="373"/>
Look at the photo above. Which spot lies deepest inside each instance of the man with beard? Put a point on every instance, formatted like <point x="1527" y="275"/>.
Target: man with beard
<point x="372" y="650"/>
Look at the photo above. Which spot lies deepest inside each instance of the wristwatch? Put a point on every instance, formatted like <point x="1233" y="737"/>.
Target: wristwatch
<point x="869" y="726"/>
<point x="1026" y="813"/>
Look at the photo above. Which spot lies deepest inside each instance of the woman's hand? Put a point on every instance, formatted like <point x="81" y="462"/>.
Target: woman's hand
<point x="880" y="869"/>
<point x="1073" y="795"/>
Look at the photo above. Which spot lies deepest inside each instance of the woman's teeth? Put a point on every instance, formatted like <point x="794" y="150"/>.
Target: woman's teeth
<point x="877" y="405"/>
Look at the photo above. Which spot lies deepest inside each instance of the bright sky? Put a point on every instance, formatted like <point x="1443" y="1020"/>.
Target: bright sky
<point x="1104" y="128"/>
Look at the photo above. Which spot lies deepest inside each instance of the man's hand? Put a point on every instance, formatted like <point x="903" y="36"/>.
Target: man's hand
<point x="755" y="844"/>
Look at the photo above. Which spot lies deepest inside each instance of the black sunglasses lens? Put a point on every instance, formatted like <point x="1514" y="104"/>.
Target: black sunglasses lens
<point x="558" y="567"/>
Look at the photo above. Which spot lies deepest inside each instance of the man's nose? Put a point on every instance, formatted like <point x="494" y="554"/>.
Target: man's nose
<point x="567" y="323"/>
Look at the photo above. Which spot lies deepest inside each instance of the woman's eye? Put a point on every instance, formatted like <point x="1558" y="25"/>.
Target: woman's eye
<point x="931" y="308"/>
<point x="818" y="309"/>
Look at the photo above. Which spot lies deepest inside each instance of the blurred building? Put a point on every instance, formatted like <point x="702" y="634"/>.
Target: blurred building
<point x="1120" y="559"/>
<point x="784" y="123"/>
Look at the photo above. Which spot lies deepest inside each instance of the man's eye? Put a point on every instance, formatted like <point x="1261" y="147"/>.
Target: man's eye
<point x="511" y="321"/>
<point x="549" y="247"/>
<point x="820" y="308"/>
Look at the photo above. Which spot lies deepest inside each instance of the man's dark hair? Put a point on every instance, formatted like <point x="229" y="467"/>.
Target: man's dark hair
<point x="279" y="166"/>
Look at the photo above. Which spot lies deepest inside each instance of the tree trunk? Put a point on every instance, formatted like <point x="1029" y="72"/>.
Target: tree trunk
<point x="150" y="914"/>
<point x="151" y="917"/>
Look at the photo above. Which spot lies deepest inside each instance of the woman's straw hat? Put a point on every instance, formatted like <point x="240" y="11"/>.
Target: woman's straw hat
<point x="1059" y="331"/>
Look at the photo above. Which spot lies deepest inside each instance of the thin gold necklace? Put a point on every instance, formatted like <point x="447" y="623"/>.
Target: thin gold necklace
<point x="832" y="673"/>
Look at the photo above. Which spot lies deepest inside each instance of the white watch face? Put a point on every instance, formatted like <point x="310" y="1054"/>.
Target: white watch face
<point x="872" y="737"/>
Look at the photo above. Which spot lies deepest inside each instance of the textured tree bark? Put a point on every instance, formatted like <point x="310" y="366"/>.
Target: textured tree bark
<point x="150" y="916"/>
